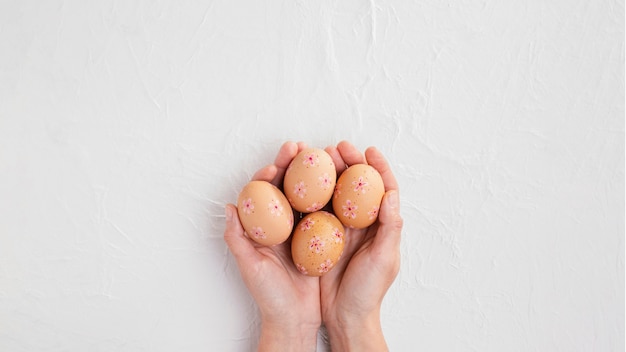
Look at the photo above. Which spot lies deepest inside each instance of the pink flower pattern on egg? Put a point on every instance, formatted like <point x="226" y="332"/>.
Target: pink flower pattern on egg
<point x="316" y="244"/>
<point x="314" y="207"/>
<point x="359" y="186"/>
<point x="337" y="190"/>
<point x="325" y="266"/>
<point x="275" y="207"/>
<point x="248" y="207"/>
<point x="307" y="224"/>
<point x="338" y="235"/>
<point x="373" y="213"/>
<point x="324" y="180"/>
<point x="299" y="189"/>
<point x="258" y="232"/>
<point x="349" y="209"/>
<point x="310" y="159"/>
<point x="302" y="269"/>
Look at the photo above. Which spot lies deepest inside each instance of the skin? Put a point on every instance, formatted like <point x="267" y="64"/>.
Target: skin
<point x="348" y="298"/>
<point x="352" y="293"/>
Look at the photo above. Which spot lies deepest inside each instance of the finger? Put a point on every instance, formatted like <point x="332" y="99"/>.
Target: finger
<point x="387" y="239"/>
<point x="286" y="153"/>
<point x="350" y="154"/>
<point x="340" y="165"/>
<point x="267" y="173"/>
<point x="302" y="146"/>
<point x="239" y="245"/>
<point x="376" y="159"/>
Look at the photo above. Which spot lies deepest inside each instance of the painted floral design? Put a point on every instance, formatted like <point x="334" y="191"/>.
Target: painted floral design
<point x="349" y="209"/>
<point x="324" y="180"/>
<point x="373" y="213"/>
<point x="316" y="244"/>
<point x="359" y="185"/>
<point x="310" y="159"/>
<point x="337" y="190"/>
<point x="314" y="207"/>
<point x="302" y="269"/>
<point x="307" y="224"/>
<point x="258" y="232"/>
<point x="248" y="207"/>
<point x="337" y="235"/>
<point x="275" y="207"/>
<point x="299" y="189"/>
<point x="325" y="266"/>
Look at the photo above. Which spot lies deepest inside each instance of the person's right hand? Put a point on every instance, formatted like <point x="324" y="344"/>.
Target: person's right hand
<point x="351" y="294"/>
<point x="289" y="302"/>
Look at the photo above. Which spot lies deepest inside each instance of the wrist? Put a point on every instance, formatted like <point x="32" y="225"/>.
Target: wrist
<point x="284" y="336"/>
<point x="356" y="334"/>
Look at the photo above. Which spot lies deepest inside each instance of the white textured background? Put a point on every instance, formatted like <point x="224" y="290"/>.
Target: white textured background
<point x="125" y="126"/>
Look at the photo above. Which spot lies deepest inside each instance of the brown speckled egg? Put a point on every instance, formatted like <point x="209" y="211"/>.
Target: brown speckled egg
<point x="265" y="213"/>
<point x="317" y="243"/>
<point x="310" y="180"/>
<point x="357" y="196"/>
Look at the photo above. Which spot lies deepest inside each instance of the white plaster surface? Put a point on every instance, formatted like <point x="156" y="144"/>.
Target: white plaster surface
<point x="125" y="126"/>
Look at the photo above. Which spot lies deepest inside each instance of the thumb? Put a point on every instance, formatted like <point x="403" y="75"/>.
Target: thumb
<point x="390" y="223"/>
<point x="239" y="245"/>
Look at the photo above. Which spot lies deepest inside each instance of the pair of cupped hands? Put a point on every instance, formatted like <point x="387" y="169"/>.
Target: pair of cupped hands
<point x="347" y="299"/>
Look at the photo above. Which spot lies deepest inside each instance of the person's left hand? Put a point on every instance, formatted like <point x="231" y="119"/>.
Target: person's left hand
<point x="289" y="302"/>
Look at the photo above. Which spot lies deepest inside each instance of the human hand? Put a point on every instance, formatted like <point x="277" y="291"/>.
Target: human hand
<point x="352" y="293"/>
<point x="289" y="302"/>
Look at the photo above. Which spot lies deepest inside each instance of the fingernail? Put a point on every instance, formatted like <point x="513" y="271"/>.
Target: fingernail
<point x="393" y="199"/>
<point x="229" y="213"/>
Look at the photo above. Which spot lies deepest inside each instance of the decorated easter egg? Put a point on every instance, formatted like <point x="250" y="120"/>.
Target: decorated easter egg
<point x="357" y="196"/>
<point x="265" y="213"/>
<point x="317" y="243"/>
<point x="310" y="180"/>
